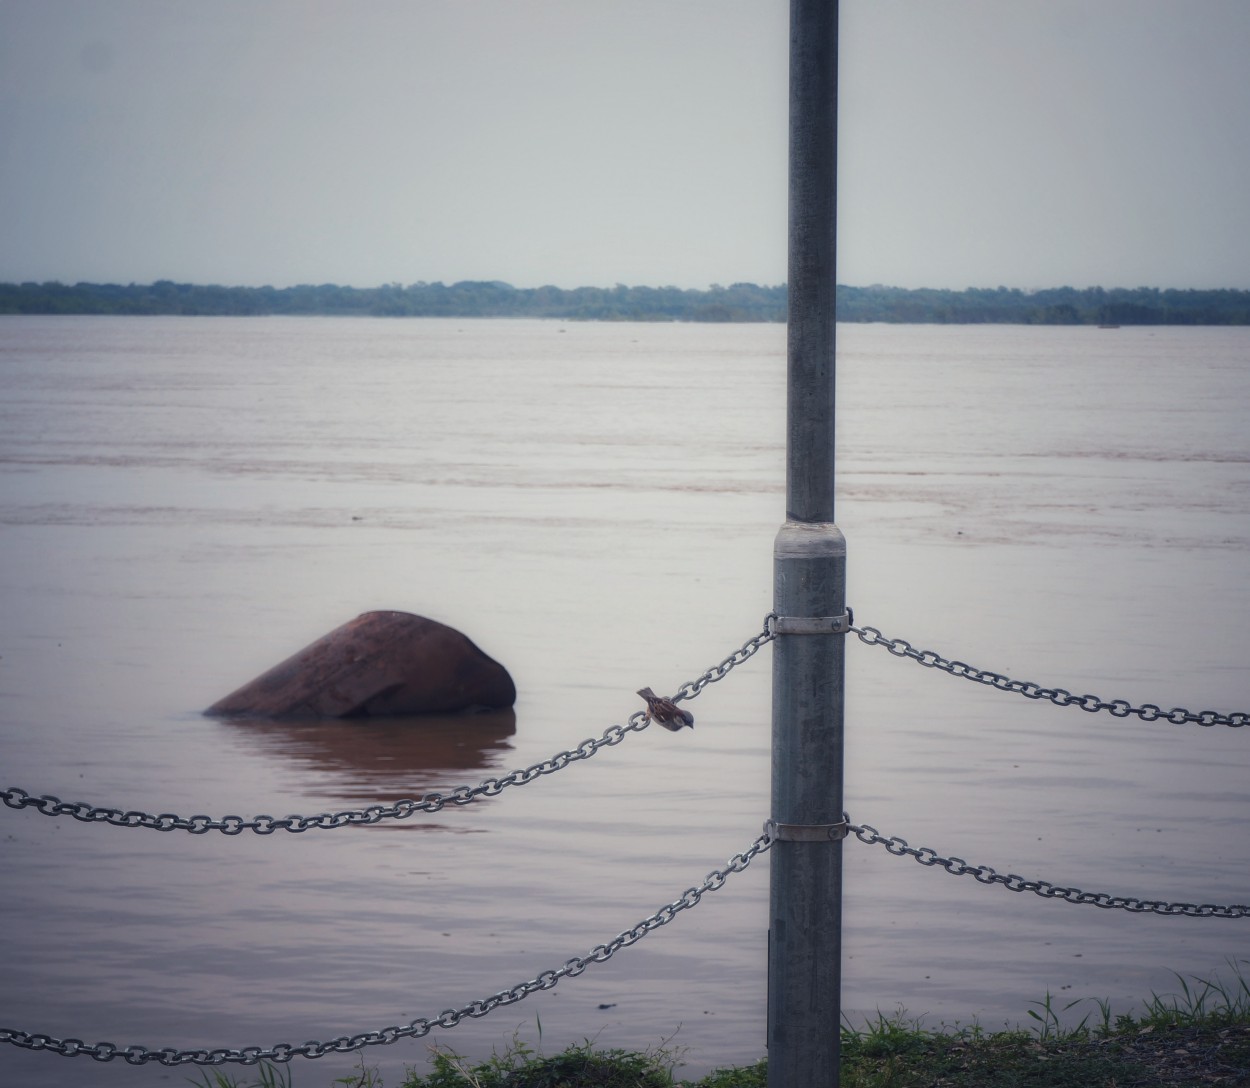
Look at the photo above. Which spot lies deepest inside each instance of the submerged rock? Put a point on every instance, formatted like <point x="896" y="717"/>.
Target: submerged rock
<point x="380" y="664"/>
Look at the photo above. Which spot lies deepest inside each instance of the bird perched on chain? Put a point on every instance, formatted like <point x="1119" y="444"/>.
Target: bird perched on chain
<point x="665" y="712"/>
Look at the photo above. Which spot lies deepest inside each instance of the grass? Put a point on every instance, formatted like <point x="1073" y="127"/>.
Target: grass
<point x="1197" y="1036"/>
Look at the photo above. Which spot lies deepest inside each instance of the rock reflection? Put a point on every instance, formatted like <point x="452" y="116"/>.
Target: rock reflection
<point x="380" y="761"/>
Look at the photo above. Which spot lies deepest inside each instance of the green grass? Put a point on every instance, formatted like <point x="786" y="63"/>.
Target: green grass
<point x="1196" y="1036"/>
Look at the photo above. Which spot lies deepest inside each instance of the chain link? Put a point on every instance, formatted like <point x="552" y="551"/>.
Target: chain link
<point x="401" y="810"/>
<point x="985" y="875"/>
<point x="448" y="1018"/>
<point x="1119" y="708"/>
<point x="691" y="688"/>
<point x="267" y="825"/>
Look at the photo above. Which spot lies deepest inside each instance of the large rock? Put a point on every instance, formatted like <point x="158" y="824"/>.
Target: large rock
<point x="379" y="664"/>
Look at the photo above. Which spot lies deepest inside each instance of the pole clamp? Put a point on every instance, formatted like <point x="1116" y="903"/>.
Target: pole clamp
<point x="811" y="625"/>
<point x="780" y="832"/>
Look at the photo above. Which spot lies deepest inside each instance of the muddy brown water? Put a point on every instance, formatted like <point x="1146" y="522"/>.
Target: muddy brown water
<point x="186" y="502"/>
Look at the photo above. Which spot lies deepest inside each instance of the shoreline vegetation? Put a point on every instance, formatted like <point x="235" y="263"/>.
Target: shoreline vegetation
<point x="1197" y="1036"/>
<point x="740" y="302"/>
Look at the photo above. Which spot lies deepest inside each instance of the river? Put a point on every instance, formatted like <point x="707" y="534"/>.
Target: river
<point x="187" y="501"/>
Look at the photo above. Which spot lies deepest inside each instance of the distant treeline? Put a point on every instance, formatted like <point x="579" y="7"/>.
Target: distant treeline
<point x="739" y="302"/>
<point x="471" y="298"/>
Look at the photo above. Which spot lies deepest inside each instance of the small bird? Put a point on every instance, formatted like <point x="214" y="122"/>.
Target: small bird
<point x="665" y="712"/>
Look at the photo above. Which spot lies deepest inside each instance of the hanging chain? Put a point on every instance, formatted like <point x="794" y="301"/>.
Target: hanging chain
<point x="1119" y="708"/>
<point x="985" y="875"/>
<point x="401" y="810"/>
<point x="691" y="688"/>
<point x="266" y="825"/>
<point x="449" y="1018"/>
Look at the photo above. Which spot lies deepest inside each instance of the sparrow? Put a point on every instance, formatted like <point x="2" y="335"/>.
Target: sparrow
<point x="665" y="712"/>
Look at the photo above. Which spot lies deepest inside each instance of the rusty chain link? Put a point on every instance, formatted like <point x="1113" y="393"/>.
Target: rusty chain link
<point x="448" y="1018"/>
<point x="1119" y="708"/>
<point x="986" y="875"/>
<point x="401" y="810"/>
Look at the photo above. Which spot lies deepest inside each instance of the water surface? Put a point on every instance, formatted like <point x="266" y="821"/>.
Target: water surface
<point x="184" y="502"/>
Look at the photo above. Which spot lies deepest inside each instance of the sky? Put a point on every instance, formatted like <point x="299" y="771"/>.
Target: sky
<point x="1019" y="143"/>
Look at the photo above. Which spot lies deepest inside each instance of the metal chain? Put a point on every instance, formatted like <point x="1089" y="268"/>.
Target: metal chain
<point x="448" y="1018"/>
<point x="691" y="688"/>
<point x="400" y="810"/>
<point x="266" y="825"/>
<point x="1119" y="708"/>
<point x="985" y="875"/>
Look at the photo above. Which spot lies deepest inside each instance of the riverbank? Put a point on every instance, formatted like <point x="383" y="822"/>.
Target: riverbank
<point x="1107" y="307"/>
<point x="1197" y="1036"/>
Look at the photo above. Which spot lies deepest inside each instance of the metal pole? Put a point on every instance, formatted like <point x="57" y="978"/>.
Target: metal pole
<point x="809" y="594"/>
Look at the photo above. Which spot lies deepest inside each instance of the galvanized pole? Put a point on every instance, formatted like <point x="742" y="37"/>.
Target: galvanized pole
<point x="809" y="598"/>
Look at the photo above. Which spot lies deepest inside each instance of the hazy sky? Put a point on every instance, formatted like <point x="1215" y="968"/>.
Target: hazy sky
<point x="1028" y="143"/>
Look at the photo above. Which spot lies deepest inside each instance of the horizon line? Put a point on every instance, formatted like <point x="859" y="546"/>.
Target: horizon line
<point x="714" y="287"/>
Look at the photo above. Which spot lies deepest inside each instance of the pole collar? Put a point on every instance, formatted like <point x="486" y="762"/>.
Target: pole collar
<point x="811" y="625"/>
<point x="780" y="832"/>
<point x="809" y="540"/>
